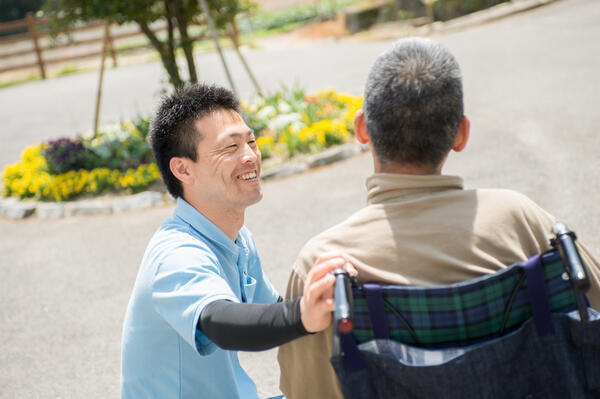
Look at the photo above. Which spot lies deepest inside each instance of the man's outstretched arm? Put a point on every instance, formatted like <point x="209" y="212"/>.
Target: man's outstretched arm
<point x="253" y="327"/>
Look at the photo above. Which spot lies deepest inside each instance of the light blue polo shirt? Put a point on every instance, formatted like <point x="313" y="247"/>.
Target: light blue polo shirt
<point x="188" y="264"/>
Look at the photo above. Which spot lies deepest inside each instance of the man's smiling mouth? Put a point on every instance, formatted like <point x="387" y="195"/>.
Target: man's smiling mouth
<point x="248" y="176"/>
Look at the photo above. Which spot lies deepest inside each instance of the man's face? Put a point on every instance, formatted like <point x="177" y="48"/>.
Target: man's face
<point x="227" y="169"/>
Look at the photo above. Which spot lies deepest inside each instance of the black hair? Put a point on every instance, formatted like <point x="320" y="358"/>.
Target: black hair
<point x="173" y="132"/>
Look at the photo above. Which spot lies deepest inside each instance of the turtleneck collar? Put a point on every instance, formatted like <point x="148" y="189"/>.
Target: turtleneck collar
<point x="383" y="187"/>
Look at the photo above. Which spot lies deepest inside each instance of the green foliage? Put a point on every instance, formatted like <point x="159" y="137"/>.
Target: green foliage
<point x="123" y="146"/>
<point x="68" y="69"/>
<point x="223" y="11"/>
<point x="11" y="10"/>
<point x="122" y="154"/>
<point x="70" y="11"/>
<point x="117" y="147"/>
<point x="66" y="154"/>
<point x="179" y="14"/>
<point x="288" y="122"/>
<point x="120" y="157"/>
<point x="30" y="78"/>
<point x="448" y="9"/>
<point x="264" y="20"/>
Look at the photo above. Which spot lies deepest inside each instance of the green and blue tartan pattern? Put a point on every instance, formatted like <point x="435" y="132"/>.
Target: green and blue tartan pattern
<point x="466" y="312"/>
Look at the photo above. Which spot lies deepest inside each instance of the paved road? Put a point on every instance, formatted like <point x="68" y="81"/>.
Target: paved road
<point x="531" y="91"/>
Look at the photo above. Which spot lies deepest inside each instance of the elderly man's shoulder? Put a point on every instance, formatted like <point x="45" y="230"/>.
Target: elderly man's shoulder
<point x="505" y="199"/>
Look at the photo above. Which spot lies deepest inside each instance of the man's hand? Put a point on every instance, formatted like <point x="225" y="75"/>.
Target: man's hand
<point x="317" y="302"/>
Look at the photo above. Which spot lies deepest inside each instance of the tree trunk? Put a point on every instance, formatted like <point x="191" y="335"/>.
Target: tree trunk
<point x="167" y="58"/>
<point x="170" y="33"/>
<point x="186" y="42"/>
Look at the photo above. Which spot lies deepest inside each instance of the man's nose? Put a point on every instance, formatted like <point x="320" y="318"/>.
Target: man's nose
<point x="249" y="154"/>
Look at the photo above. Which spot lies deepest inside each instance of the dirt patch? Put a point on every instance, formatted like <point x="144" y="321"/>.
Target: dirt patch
<point x="278" y="5"/>
<point x="318" y="30"/>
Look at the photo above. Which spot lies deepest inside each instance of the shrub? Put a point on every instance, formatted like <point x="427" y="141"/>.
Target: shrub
<point x="66" y="154"/>
<point x="291" y="122"/>
<point x="287" y="123"/>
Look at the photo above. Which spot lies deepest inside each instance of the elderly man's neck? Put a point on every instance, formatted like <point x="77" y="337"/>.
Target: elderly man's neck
<point x="408" y="169"/>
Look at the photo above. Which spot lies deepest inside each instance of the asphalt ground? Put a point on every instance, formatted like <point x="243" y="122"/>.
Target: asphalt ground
<point x="531" y="86"/>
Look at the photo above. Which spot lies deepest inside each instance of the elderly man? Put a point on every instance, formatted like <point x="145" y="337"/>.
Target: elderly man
<point x="420" y="227"/>
<point x="201" y="293"/>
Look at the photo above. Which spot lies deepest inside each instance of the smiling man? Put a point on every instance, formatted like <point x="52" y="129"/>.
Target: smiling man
<point x="200" y="294"/>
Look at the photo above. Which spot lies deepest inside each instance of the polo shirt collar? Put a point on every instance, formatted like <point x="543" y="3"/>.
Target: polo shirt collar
<point x="384" y="187"/>
<point x="208" y="229"/>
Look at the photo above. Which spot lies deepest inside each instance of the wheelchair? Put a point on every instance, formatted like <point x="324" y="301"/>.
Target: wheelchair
<point x="524" y="332"/>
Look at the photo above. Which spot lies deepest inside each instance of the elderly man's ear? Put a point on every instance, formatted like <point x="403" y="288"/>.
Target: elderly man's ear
<point x="462" y="137"/>
<point x="360" y="127"/>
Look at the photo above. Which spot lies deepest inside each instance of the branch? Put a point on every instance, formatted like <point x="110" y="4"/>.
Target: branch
<point x="157" y="44"/>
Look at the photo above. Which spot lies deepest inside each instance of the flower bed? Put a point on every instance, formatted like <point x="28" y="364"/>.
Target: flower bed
<point x="119" y="158"/>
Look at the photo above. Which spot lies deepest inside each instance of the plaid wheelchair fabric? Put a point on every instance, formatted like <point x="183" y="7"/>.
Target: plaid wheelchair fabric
<point x="466" y="312"/>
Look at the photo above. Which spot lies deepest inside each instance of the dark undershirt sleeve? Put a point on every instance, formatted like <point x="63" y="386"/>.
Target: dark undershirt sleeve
<point x="250" y="326"/>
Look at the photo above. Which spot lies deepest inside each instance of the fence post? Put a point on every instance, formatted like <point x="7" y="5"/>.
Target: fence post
<point x="32" y="33"/>
<point x="111" y="46"/>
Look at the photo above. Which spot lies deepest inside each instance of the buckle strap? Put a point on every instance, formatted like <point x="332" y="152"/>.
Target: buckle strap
<point x="538" y="295"/>
<point x="374" y="297"/>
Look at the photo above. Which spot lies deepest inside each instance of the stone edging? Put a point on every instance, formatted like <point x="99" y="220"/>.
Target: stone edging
<point x="12" y="208"/>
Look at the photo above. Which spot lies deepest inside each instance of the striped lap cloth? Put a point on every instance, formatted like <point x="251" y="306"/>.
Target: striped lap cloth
<point x="466" y="312"/>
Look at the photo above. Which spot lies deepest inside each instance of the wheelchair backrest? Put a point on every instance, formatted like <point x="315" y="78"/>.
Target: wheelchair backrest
<point x="462" y="313"/>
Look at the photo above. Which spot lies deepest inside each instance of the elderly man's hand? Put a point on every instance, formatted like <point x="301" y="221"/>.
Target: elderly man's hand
<point x="317" y="302"/>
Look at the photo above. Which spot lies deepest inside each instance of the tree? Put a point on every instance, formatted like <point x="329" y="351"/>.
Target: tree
<point x="178" y="14"/>
<point x="11" y="10"/>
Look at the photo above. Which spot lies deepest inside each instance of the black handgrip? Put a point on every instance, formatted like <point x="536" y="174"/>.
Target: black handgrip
<point x="565" y="243"/>
<point x="342" y="313"/>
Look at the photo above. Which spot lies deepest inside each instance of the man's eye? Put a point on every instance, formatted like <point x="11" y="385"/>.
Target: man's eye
<point x="252" y="143"/>
<point x="232" y="146"/>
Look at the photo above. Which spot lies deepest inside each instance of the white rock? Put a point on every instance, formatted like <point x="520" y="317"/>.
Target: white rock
<point x="146" y="199"/>
<point x="51" y="210"/>
<point x="92" y="207"/>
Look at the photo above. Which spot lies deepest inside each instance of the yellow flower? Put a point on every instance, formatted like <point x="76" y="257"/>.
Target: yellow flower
<point x="264" y="140"/>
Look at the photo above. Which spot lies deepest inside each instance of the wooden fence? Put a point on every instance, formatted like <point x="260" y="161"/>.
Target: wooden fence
<point x="41" y="42"/>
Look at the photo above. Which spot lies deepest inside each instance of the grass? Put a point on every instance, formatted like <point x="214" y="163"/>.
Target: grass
<point x="12" y="82"/>
<point x="69" y="69"/>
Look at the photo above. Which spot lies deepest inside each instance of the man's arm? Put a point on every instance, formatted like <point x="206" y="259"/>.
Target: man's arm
<point x="251" y="327"/>
<point x="244" y="326"/>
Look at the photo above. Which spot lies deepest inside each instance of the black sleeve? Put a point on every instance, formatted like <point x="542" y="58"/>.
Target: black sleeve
<point x="250" y="326"/>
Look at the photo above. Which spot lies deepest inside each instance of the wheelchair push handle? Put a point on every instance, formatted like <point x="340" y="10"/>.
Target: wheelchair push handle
<point x="342" y="313"/>
<point x="564" y="241"/>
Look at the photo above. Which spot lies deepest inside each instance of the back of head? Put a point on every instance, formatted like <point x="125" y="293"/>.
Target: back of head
<point x="414" y="103"/>
<point x="173" y="130"/>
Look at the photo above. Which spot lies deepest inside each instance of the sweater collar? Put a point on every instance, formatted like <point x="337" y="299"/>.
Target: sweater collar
<point x="383" y="187"/>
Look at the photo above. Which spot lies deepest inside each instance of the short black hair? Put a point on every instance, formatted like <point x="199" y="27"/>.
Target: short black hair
<point x="173" y="132"/>
<point x="414" y="103"/>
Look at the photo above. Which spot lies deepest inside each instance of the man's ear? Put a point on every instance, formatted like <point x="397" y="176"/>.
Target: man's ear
<point x="180" y="168"/>
<point x="464" y="130"/>
<point x="360" y="127"/>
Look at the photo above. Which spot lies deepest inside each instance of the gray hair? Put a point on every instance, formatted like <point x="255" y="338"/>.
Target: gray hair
<point x="414" y="103"/>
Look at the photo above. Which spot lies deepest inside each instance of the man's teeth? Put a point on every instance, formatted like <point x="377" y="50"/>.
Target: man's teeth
<point x="248" y="176"/>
